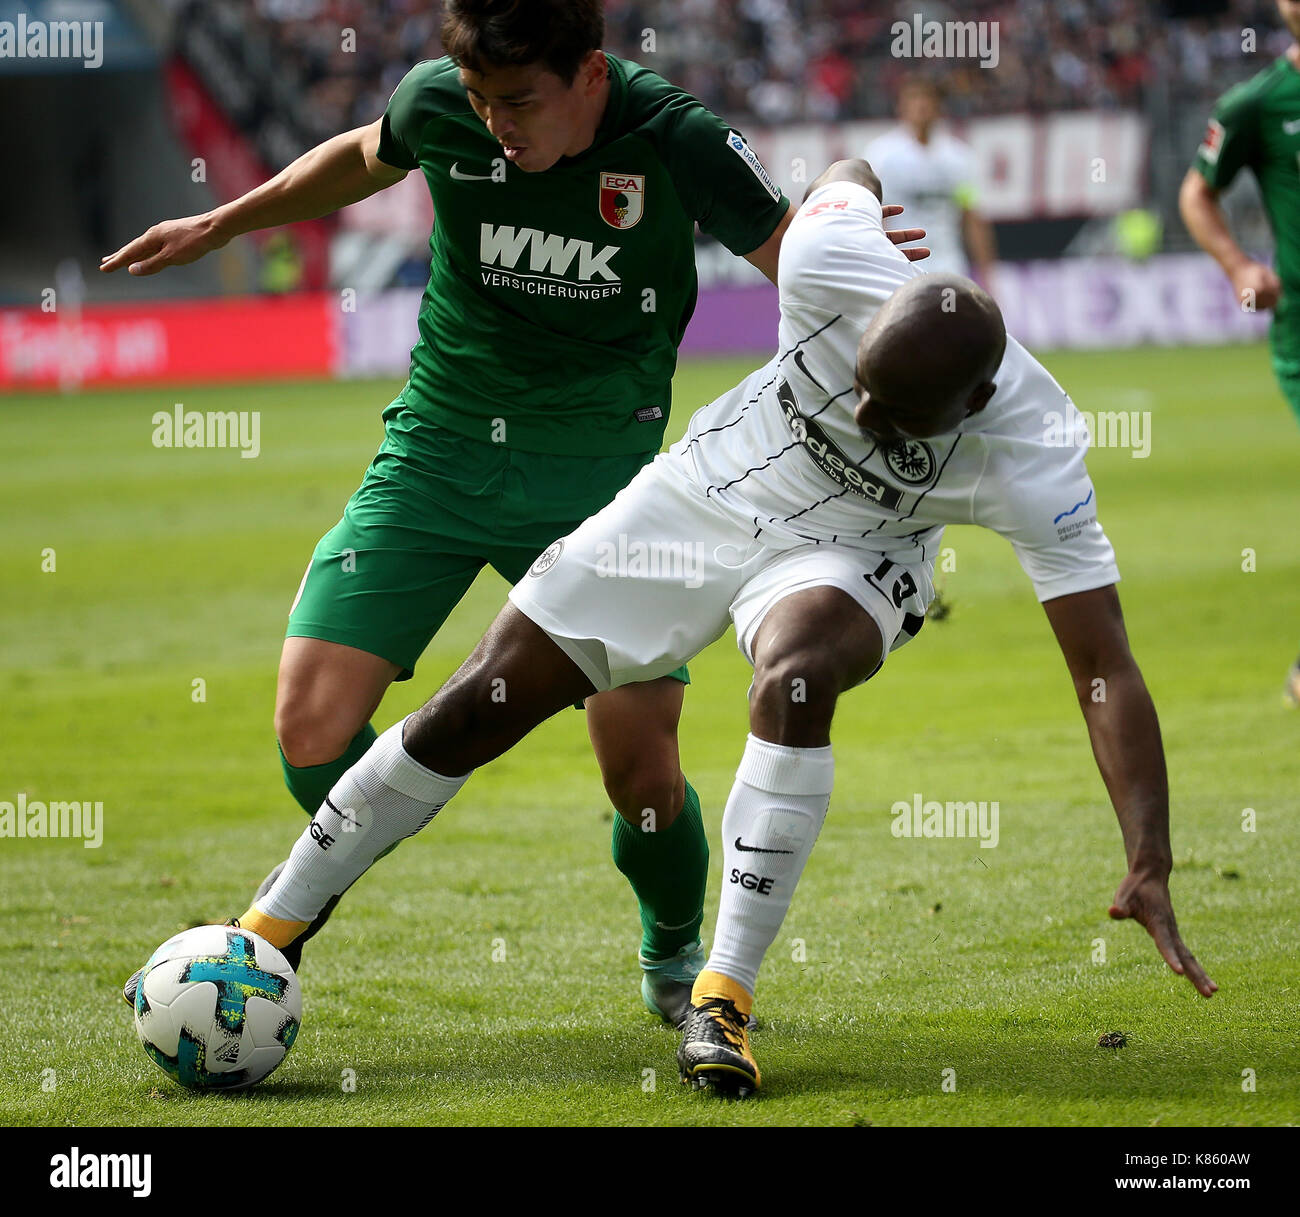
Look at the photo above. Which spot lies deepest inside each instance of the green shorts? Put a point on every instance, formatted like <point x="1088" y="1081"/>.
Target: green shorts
<point x="426" y="519"/>
<point x="1284" y="344"/>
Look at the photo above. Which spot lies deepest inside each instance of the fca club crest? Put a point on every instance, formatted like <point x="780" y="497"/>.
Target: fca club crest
<point x="622" y="198"/>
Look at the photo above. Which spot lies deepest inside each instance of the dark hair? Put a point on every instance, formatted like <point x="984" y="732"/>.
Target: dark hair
<point x="919" y="82"/>
<point x="559" y="34"/>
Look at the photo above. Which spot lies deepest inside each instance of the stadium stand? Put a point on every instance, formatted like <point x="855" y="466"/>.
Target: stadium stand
<point x="292" y="83"/>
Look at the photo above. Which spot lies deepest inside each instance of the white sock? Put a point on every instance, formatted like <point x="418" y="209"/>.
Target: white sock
<point x="384" y="797"/>
<point x="773" y="815"/>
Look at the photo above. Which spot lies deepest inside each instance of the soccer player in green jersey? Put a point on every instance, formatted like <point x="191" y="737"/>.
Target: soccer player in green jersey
<point x="566" y="184"/>
<point x="1256" y="126"/>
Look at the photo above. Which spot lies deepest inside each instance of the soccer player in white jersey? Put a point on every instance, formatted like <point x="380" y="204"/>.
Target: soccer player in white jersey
<point x="806" y="506"/>
<point x="933" y="175"/>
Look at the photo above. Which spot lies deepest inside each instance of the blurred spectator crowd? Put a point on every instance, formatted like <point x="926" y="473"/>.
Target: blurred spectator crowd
<point x="773" y="61"/>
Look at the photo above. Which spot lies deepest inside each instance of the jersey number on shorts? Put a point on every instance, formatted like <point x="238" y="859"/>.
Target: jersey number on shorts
<point x="904" y="585"/>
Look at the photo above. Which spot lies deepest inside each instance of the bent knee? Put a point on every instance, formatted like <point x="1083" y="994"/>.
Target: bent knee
<point x="805" y="683"/>
<point x="309" y="738"/>
<point x="647" y="788"/>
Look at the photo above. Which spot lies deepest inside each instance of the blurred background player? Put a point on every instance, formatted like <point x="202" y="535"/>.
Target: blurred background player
<point x="1256" y="126"/>
<point x="933" y="175"/>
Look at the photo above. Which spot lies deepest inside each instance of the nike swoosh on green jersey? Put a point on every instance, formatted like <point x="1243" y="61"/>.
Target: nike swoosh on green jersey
<point x="458" y="176"/>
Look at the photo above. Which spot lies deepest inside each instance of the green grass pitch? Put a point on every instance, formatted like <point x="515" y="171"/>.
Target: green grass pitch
<point x="486" y="974"/>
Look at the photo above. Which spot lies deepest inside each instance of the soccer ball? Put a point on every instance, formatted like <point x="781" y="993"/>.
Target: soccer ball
<point x="217" y="1007"/>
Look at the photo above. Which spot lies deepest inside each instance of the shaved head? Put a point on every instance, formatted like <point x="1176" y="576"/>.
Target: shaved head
<point x="852" y="170"/>
<point x="928" y="358"/>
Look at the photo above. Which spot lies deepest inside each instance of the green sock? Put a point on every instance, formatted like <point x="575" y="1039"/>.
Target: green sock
<point x="668" y="871"/>
<point x="310" y="784"/>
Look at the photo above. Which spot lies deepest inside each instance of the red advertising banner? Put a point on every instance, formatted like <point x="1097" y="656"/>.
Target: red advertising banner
<point x="232" y="165"/>
<point x="200" y="341"/>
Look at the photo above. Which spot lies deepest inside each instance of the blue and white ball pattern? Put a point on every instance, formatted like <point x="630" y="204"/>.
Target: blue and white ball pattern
<point x="217" y="1007"/>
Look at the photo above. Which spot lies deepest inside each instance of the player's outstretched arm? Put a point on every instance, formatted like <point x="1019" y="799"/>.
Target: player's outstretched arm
<point x="767" y="255"/>
<point x="858" y="171"/>
<point x="340" y="171"/>
<point x="1126" y="742"/>
<point x="1256" y="285"/>
<point x="904" y="236"/>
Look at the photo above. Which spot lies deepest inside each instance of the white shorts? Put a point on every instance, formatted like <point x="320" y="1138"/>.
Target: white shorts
<point x="647" y="583"/>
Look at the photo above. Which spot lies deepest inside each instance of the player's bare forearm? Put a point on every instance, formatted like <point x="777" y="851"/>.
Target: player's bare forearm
<point x="1125" y="735"/>
<point x="1126" y="742"/>
<point x="340" y="171"/>
<point x="1121" y="719"/>
<point x="1255" y="285"/>
<point x="1198" y="203"/>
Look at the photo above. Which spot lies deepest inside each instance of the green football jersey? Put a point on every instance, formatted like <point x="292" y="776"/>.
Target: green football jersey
<point x="1256" y="126"/>
<point x="557" y="300"/>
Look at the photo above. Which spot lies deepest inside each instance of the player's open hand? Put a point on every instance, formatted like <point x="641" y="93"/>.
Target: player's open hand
<point x="1145" y="897"/>
<point x="1257" y="286"/>
<point x="901" y="236"/>
<point x="171" y="243"/>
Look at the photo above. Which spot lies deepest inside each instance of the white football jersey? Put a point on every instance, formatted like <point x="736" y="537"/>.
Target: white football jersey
<point x="933" y="182"/>
<point x="782" y="450"/>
